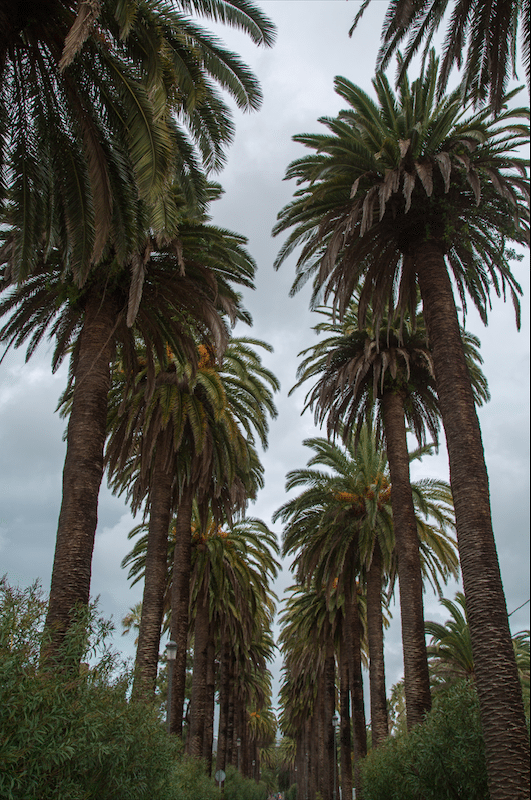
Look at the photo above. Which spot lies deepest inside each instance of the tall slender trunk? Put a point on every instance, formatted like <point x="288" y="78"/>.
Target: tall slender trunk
<point x="156" y="576"/>
<point x="83" y="468"/>
<point x="416" y="675"/>
<point x="210" y="698"/>
<point x="231" y="717"/>
<point x="379" y="718"/>
<point x="353" y="643"/>
<point x="180" y="601"/>
<point x="345" y="737"/>
<point x="322" y="752"/>
<point x="500" y="696"/>
<point x="329" y="707"/>
<point x="201" y="641"/>
<point x="224" y="688"/>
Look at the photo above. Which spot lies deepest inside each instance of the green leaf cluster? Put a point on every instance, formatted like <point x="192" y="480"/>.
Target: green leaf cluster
<point x="75" y="734"/>
<point x="237" y="787"/>
<point x="444" y="759"/>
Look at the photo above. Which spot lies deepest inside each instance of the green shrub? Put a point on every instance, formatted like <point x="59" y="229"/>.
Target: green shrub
<point x="76" y="735"/>
<point x="239" y="788"/>
<point x="442" y="759"/>
<point x="291" y="794"/>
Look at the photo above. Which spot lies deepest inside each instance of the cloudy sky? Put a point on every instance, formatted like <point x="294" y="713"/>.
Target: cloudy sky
<point x="297" y="81"/>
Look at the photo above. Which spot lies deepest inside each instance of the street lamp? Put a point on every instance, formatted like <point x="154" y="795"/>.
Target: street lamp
<point x="171" y="655"/>
<point x="238" y="745"/>
<point x="335" y="723"/>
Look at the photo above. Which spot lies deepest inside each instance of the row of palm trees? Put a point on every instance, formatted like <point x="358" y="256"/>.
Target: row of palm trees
<point x="112" y="122"/>
<point x="342" y="534"/>
<point x="112" y="119"/>
<point x="399" y="197"/>
<point x="229" y="642"/>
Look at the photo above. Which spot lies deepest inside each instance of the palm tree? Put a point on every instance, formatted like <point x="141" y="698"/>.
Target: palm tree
<point x="399" y="193"/>
<point x="450" y="648"/>
<point x="360" y="372"/>
<point x="192" y="439"/>
<point x="489" y="30"/>
<point x="100" y="102"/>
<point x="232" y="569"/>
<point x="348" y="507"/>
<point x="186" y="282"/>
<point x="308" y="646"/>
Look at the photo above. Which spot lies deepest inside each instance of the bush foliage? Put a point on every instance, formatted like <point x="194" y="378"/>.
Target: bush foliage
<point x="75" y="734"/>
<point x="443" y="759"/>
<point x="239" y="788"/>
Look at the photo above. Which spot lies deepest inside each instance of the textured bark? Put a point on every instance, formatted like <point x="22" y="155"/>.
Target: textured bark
<point x="230" y="720"/>
<point x="83" y="468"/>
<point x="180" y="600"/>
<point x="500" y="696"/>
<point x="353" y="643"/>
<point x="210" y="698"/>
<point x="224" y="688"/>
<point x="312" y="758"/>
<point x="322" y="753"/>
<point x="379" y="718"/>
<point x="156" y="575"/>
<point x="201" y="642"/>
<point x="345" y="737"/>
<point x="416" y="675"/>
<point x="329" y="705"/>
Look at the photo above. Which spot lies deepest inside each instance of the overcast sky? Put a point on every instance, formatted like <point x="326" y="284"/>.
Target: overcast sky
<point x="297" y="81"/>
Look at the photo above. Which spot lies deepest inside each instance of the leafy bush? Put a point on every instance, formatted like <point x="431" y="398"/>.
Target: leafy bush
<point x="291" y="794"/>
<point x="75" y="735"/>
<point x="442" y="759"/>
<point x="239" y="788"/>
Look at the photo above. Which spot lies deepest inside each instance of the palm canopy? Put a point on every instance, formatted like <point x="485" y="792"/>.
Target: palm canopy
<point x="389" y="174"/>
<point x="488" y="30"/>
<point x="237" y="562"/>
<point x="353" y="368"/>
<point x="102" y="102"/>
<point x="450" y="647"/>
<point x="209" y="417"/>
<point x="186" y="292"/>
<point x="346" y="501"/>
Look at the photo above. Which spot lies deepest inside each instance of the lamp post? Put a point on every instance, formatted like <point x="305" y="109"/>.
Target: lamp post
<point x="171" y="655"/>
<point x="335" y="723"/>
<point x="238" y="745"/>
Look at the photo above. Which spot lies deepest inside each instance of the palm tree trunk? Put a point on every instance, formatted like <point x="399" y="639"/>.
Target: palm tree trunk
<point x="83" y="468"/>
<point x="210" y="698"/>
<point x="416" y="675"/>
<point x="345" y="737"/>
<point x="353" y="643"/>
<point x="231" y="717"/>
<point x="379" y="719"/>
<point x="500" y="696"/>
<point x="201" y="641"/>
<point x="224" y="688"/>
<point x="156" y="576"/>
<point x="329" y="706"/>
<point x="180" y="600"/>
<point x="322" y="752"/>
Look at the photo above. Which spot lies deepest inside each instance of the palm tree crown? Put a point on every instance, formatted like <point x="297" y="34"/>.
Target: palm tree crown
<point x="489" y="29"/>
<point x="407" y="169"/>
<point x="103" y="102"/>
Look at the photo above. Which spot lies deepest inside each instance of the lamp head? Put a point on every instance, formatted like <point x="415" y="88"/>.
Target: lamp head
<point x="171" y="651"/>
